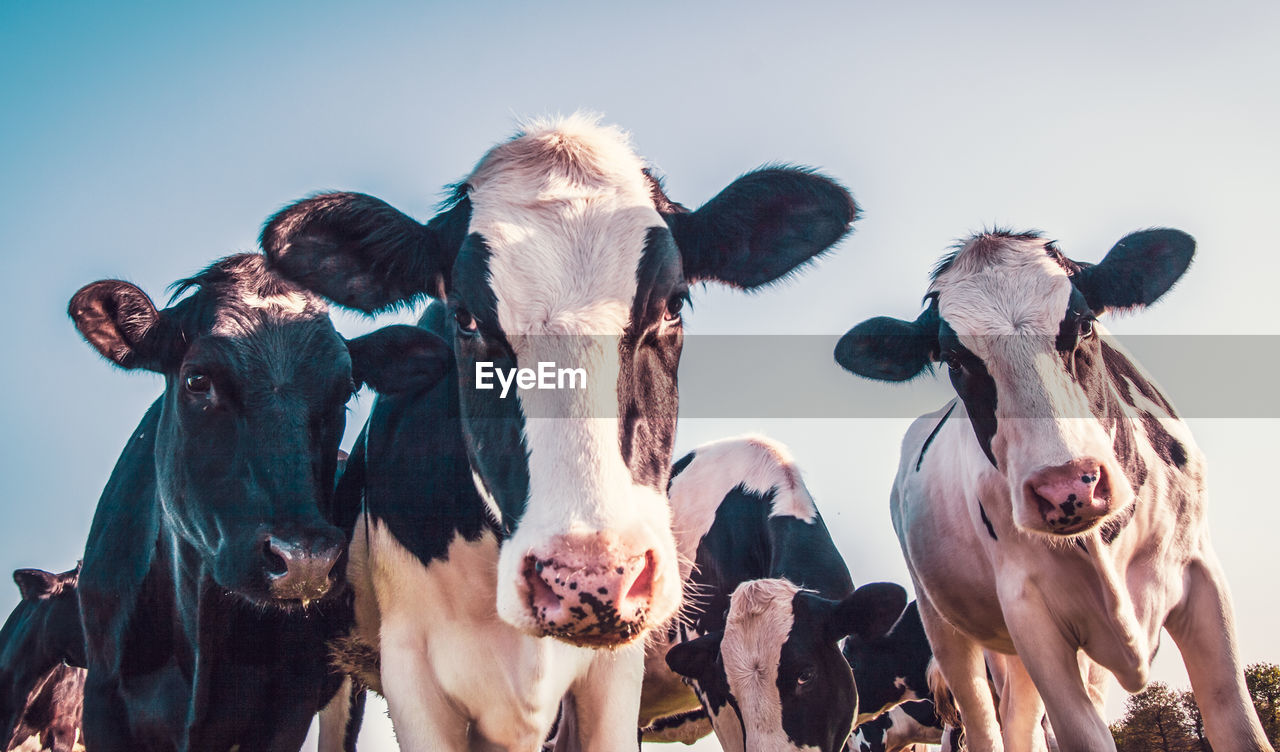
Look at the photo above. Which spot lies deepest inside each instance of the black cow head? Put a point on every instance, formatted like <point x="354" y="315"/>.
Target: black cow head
<point x="256" y="383"/>
<point x="774" y="678"/>
<point x="890" y="668"/>
<point x="1016" y="323"/>
<point x="559" y="251"/>
<point x="42" y="633"/>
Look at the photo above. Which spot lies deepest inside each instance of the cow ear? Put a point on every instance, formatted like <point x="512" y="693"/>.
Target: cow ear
<point x="121" y="323"/>
<point x="1138" y="270"/>
<point x="693" y="659"/>
<point x="361" y="252"/>
<point x="762" y="227"/>
<point x="869" y="612"/>
<point x="34" y="584"/>
<point x="889" y="349"/>
<point x="398" y="359"/>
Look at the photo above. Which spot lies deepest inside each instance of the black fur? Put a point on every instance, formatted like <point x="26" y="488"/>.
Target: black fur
<point x="187" y="645"/>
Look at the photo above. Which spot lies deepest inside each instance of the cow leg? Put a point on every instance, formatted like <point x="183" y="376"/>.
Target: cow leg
<point x="607" y="700"/>
<point x="1021" y="709"/>
<point x="962" y="665"/>
<point x="337" y="716"/>
<point x="422" y="715"/>
<point x="1203" y="626"/>
<point x="1054" y="669"/>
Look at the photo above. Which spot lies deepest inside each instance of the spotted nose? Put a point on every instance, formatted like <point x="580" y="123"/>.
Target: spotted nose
<point x="592" y="598"/>
<point x="300" y="569"/>
<point x="1073" y="496"/>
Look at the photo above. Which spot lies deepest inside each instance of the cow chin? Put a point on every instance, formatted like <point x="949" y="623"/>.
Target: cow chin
<point x="589" y="589"/>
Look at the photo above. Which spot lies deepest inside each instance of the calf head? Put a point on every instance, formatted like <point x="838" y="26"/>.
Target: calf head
<point x="774" y="679"/>
<point x="41" y="633"/>
<point x="890" y="668"/>
<point x="560" y="248"/>
<point x="256" y="384"/>
<point x="1016" y="323"/>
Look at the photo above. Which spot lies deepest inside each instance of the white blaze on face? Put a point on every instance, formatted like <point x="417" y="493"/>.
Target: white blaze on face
<point x="759" y="621"/>
<point x="565" y="211"/>
<point x="1006" y="299"/>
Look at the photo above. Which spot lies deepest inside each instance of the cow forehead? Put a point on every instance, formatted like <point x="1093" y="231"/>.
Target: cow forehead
<point x="565" y="210"/>
<point x="1000" y="285"/>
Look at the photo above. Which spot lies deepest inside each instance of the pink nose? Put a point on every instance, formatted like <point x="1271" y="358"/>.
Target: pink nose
<point x="589" y="596"/>
<point x="1071" y="496"/>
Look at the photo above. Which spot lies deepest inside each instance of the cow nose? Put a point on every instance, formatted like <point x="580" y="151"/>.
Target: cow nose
<point x="1071" y="496"/>
<point x="299" y="570"/>
<point x="595" y="603"/>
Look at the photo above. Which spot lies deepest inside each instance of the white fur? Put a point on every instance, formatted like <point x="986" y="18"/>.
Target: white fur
<point x="565" y="209"/>
<point x="757" y="463"/>
<point x="1024" y="594"/>
<point x="759" y="621"/>
<point x="455" y="676"/>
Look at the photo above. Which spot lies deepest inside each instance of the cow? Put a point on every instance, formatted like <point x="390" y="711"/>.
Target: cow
<point x="42" y="663"/>
<point x="912" y="722"/>
<point x="891" y="668"/>
<point x="1057" y="504"/>
<point x="209" y="587"/>
<point x="768" y="592"/>
<point x="495" y="513"/>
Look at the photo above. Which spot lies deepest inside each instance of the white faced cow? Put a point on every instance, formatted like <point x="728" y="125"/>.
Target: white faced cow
<point x="769" y="602"/>
<point x="495" y="518"/>
<point x="1058" y="504"/>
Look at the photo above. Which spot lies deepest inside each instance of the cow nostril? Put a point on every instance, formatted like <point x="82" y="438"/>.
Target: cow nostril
<point x="642" y="586"/>
<point x="276" y="564"/>
<point x="541" y="594"/>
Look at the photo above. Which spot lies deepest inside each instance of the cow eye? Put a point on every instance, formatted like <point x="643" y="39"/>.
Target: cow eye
<point x="1086" y="328"/>
<point x="466" y="322"/>
<point x="953" y="362"/>
<point x="675" y="304"/>
<point x="198" y="383"/>
<point x="805" y="677"/>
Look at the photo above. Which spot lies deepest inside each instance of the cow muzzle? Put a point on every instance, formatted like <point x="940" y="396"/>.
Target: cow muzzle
<point x="300" y="569"/>
<point x="589" y="593"/>
<point x="1072" y="497"/>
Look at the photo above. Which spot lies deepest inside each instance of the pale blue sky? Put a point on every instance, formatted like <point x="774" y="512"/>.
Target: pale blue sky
<point x="144" y="140"/>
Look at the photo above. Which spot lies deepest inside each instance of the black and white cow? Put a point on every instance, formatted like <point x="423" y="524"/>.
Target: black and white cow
<point x="891" y="668"/>
<point x="912" y="722"/>
<point x="497" y="513"/>
<point x="208" y="587"/>
<point x="42" y="663"/>
<point x="1058" y="504"/>
<point x="769" y="600"/>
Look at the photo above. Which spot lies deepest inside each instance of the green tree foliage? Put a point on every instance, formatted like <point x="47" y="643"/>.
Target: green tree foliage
<point x="1160" y="719"/>
<point x="1263" y="680"/>
<point x="1156" y="720"/>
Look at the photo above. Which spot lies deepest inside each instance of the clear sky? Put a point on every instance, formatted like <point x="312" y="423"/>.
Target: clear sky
<point x="144" y="140"/>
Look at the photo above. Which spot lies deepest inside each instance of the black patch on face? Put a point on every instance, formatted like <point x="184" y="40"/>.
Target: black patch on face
<point x="1168" y="449"/>
<point x="814" y="684"/>
<point x="746" y="543"/>
<point x="973" y="384"/>
<point x="649" y="357"/>
<point x="987" y="521"/>
<point x="929" y="439"/>
<point x="418" y="479"/>
<point x="879" y="662"/>
<point x="493" y="427"/>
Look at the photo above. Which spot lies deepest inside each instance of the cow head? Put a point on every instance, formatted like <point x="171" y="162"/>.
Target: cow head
<point x="1016" y="323"/>
<point x="774" y="679"/>
<point x="41" y="633"/>
<point x="256" y="386"/>
<point x="560" y="248"/>
<point x="890" y="668"/>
